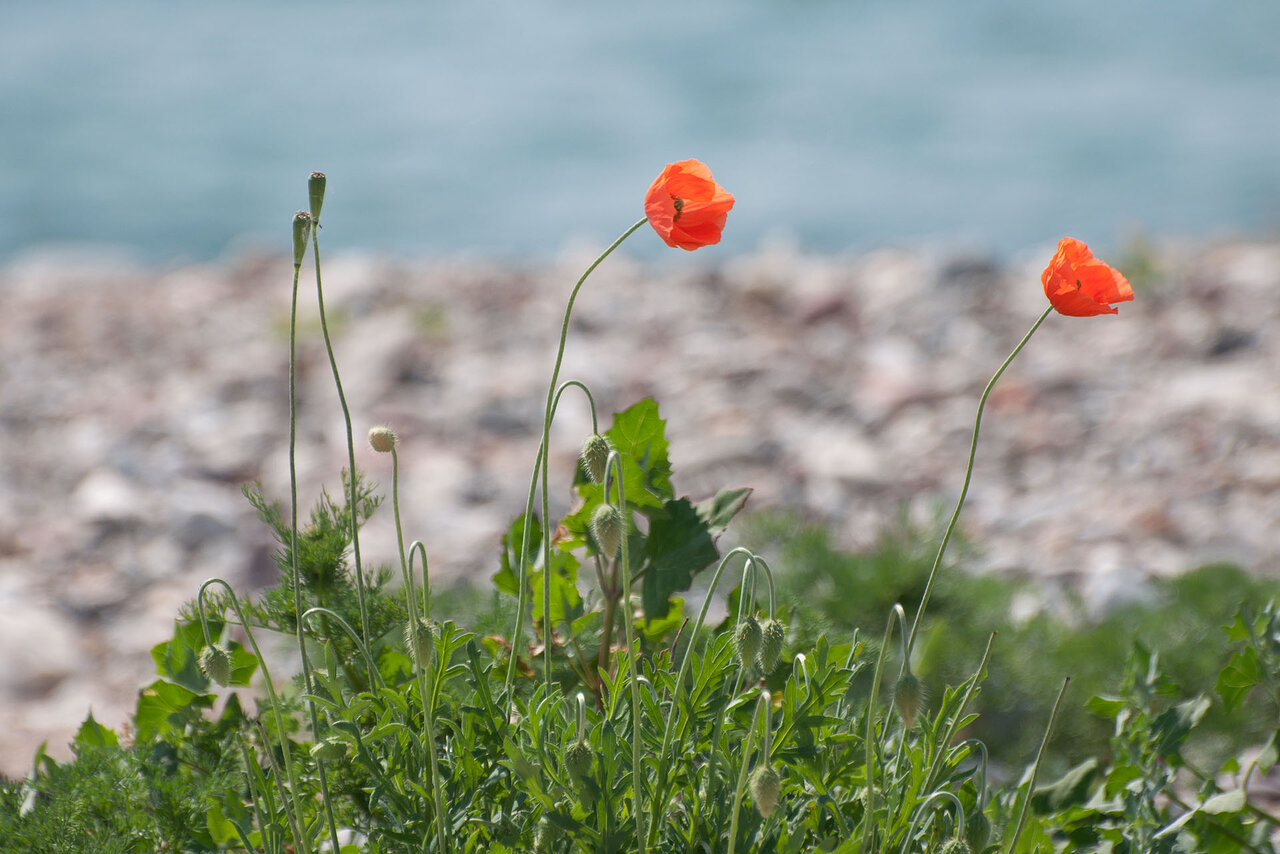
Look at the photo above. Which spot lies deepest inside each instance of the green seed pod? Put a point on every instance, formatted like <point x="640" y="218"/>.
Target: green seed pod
<point x="578" y="759"/>
<point x="382" y="440"/>
<point x="301" y="234"/>
<point x="908" y="697"/>
<point x="766" y="786"/>
<point x="215" y="664"/>
<point x="956" y="845"/>
<point x="773" y="635"/>
<point x="595" y="454"/>
<point x="977" y="830"/>
<point x="606" y="525"/>
<point x="330" y="750"/>
<point x="315" y="192"/>
<point x="746" y="640"/>
<point x="419" y="641"/>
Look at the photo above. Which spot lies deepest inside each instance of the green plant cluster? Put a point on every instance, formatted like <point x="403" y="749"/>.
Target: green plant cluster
<point x="616" y="722"/>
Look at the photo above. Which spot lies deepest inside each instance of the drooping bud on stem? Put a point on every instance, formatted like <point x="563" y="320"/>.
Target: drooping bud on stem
<point x="908" y="697"/>
<point x="330" y="750"/>
<point x="595" y="455"/>
<point x="766" y="786"/>
<point x="215" y="663"/>
<point x="315" y="190"/>
<point x="746" y="640"/>
<point x="606" y="525"/>
<point x="773" y="635"/>
<point x="382" y="439"/>
<point x="419" y="640"/>
<point x="301" y="234"/>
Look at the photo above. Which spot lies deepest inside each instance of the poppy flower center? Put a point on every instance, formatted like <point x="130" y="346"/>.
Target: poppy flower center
<point x="679" y="204"/>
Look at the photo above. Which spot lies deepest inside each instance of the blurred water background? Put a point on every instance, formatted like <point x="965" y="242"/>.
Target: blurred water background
<point x="183" y="130"/>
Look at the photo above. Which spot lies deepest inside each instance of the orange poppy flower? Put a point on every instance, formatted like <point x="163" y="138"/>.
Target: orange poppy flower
<point x="686" y="206"/>
<point x="1079" y="285"/>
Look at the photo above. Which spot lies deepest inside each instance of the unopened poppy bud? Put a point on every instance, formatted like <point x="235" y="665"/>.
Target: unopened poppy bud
<point x="419" y="640"/>
<point x="215" y="664"/>
<point x="301" y="234"/>
<point x="746" y="640"/>
<point x="545" y="836"/>
<point x="977" y="831"/>
<point x="772" y="635"/>
<point x="330" y="750"/>
<point x="606" y="525"/>
<point x="956" y="845"/>
<point x="577" y="759"/>
<point x="766" y="786"/>
<point x="595" y="455"/>
<point x="315" y="191"/>
<point x="908" y="697"/>
<point x="382" y="439"/>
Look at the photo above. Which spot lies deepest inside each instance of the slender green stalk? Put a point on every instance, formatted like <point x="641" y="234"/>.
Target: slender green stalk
<point x="736" y="808"/>
<point x="936" y="768"/>
<point x="660" y="788"/>
<point x="540" y="471"/>
<point x="613" y="466"/>
<point x="419" y="666"/>
<point x="374" y="676"/>
<point x="968" y="475"/>
<point x="273" y="700"/>
<point x="898" y="614"/>
<point x="1035" y="769"/>
<point x="352" y="499"/>
<point x="923" y="809"/>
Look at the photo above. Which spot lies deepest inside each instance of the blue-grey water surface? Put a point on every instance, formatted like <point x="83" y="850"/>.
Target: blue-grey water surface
<point x="182" y="129"/>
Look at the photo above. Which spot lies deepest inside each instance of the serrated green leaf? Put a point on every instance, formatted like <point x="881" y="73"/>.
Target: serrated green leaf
<point x="1238" y="677"/>
<point x="94" y="734"/>
<point x="654" y="630"/>
<point x="679" y="545"/>
<point x="718" y="511"/>
<point x="1106" y="707"/>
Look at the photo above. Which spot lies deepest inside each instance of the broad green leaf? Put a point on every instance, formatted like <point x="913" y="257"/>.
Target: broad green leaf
<point x="566" y="601"/>
<point x="1070" y="788"/>
<point x="1105" y="707"/>
<point x="94" y="734"/>
<point x="639" y="435"/>
<point x="163" y="706"/>
<point x="507" y="580"/>
<point x="654" y="630"/>
<point x="679" y="545"/>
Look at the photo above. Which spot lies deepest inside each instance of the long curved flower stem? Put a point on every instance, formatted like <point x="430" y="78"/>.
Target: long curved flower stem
<point x="419" y="667"/>
<point x="869" y="739"/>
<point x="299" y="839"/>
<point x="540" y="472"/>
<point x="936" y="768"/>
<point x="352" y="498"/>
<point x="293" y="504"/>
<point x="923" y="809"/>
<point x="968" y="475"/>
<point x="1035" y="769"/>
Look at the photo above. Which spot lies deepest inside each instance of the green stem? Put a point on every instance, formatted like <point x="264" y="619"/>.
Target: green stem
<point x="353" y="506"/>
<point x="272" y="698"/>
<point x="1035" y="769"/>
<point x="541" y="469"/>
<point x="936" y="768"/>
<point x="869" y="739"/>
<point x="968" y="475"/>
<point x="736" y="808"/>
<point x="924" y="808"/>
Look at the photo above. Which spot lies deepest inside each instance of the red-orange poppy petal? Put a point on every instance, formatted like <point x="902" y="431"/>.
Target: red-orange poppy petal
<point x="686" y="207"/>
<point x="1079" y="285"/>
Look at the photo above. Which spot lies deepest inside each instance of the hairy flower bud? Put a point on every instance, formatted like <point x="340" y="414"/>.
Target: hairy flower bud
<point x="577" y="759"/>
<point x="315" y="193"/>
<point x="606" y="525"/>
<point x="382" y="440"/>
<point x="766" y="786"/>
<point x="908" y="697"/>
<point x="773" y="635"/>
<point x="545" y="835"/>
<point x="977" y="830"/>
<point x="956" y="845"/>
<point x="301" y="234"/>
<point x="215" y="664"/>
<point x="419" y="640"/>
<point x="746" y="640"/>
<point x="595" y="454"/>
<point x="330" y="750"/>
